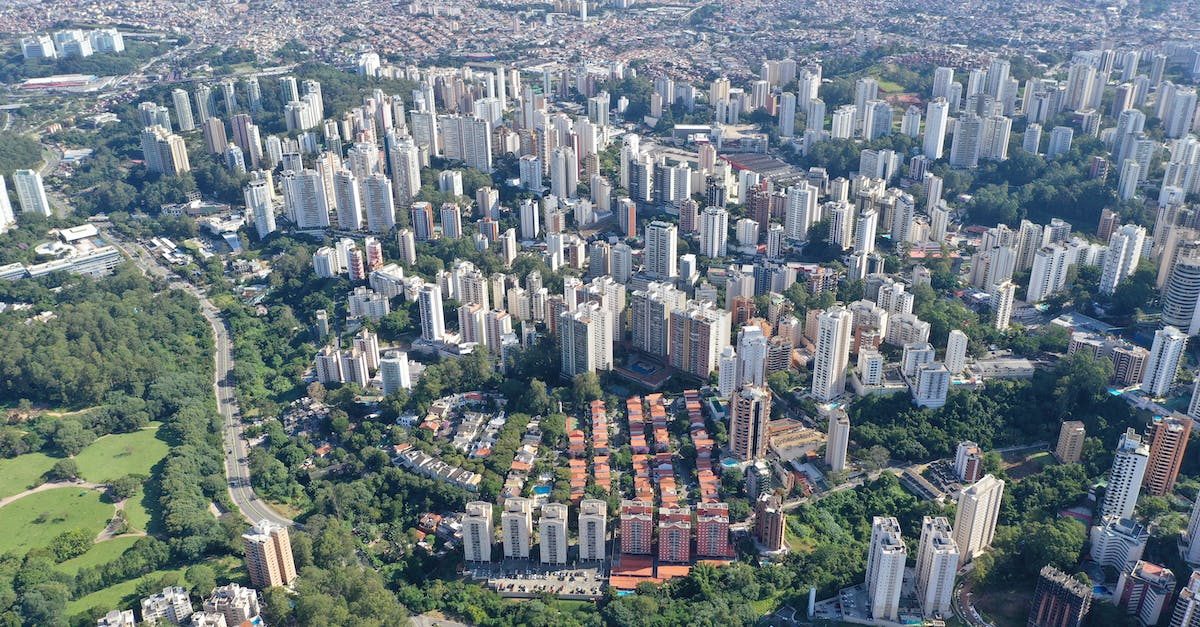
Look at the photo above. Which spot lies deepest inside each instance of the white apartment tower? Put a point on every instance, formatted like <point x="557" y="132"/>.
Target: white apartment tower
<point x="833" y="353"/>
<point x="936" y="118"/>
<point x="552" y="533"/>
<point x="714" y="232"/>
<point x="937" y="563"/>
<point x="661" y="258"/>
<point x="885" y="568"/>
<point x="1166" y="355"/>
<point x="592" y="532"/>
<point x="477" y="532"/>
<point x="433" y="324"/>
<point x="1124" y="251"/>
<point x="956" y="352"/>
<point x="1125" y="478"/>
<point x="516" y="527"/>
<point x="31" y="194"/>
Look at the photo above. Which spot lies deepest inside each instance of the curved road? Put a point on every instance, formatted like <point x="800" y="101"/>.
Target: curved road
<point x="237" y="453"/>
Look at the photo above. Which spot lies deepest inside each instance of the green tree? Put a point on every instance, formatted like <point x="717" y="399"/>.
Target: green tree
<point x="202" y="577"/>
<point x="63" y="470"/>
<point x="68" y="544"/>
<point x="585" y="388"/>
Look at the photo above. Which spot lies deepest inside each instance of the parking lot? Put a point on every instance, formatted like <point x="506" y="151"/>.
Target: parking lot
<point x="513" y="578"/>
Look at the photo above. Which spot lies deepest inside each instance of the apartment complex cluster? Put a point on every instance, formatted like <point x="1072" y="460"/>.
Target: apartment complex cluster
<point x="227" y="606"/>
<point x="268" y="551"/>
<point x="893" y="593"/>
<point x="68" y="43"/>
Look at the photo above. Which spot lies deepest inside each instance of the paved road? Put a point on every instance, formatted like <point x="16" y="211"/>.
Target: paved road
<point x="237" y="460"/>
<point x="237" y="454"/>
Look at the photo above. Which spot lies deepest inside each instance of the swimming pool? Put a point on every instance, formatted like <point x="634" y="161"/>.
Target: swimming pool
<point x="542" y="490"/>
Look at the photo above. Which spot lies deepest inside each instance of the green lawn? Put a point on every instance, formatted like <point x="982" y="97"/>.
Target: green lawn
<point x="123" y="595"/>
<point x="41" y="516"/>
<point x="137" y="511"/>
<point x="116" y="455"/>
<point x="20" y="473"/>
<point x="118" y="596"/>
<point x="101" y="553"/>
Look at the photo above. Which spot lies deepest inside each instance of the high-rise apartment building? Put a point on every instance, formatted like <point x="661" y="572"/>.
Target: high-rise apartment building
<point x="237" y="604"/>
<point x="769" y="522"/>
<point x="885" y="569"/>
<point x="937" y="116"/>
<point x="1124" y="251"/>
<point x="651" y="317"/>
<point x="1071" y="435"/>
<point x="661" y="259"/>
<point x="937" y="563"/>
<point x="968" y="462"/>
<point x="429" y="303"/>
<point x="714" y="232"/>
<point x="839" y="438"/>
<point x="1166" y="355"/>
<point x="516" y="527"/>
<point x="712" y="530"/>
<point x="1001" y="304"/>
<point x="833" y="353"/>
<point x="164" y="152"/>
<point x="1145" y="590"/>
<point x="477" y="532"/>
<point x="675" y="534"/>
<point x="699" y="333"/>
<point x="586" y="338"/>
<point x="1059" y="600"/>
<point x="1187" y="607"/>
<point x="172" y="605"/>
<point x="637" y="527"/>
<point x="1126" y="476"/>
<point x="978" y="510"/>
<point x="592" y="532"/>
<point x="269" y="555"/>
<point x="552" y="534"/>
<point x="749" y="413"/>
<point x="1168" y="441"/>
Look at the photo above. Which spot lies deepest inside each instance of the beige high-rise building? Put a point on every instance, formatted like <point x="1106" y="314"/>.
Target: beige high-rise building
<point x="269" y="555"/>
<point x="749" y="414"/>
<point x="1168" y="441"/>
<point x="593" y="532"/>
<point x="1070" y="442"/>
<point x="839" y="439"/>
<point x="975" y="523"/>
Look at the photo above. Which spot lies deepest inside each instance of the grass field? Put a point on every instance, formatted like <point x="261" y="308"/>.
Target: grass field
<point x="123" y="595"/>
<point x="119" y="596"/>
<point x="137" y="511"/>
<point x="41" y="516"/>
<point x="101" y="553"/>
<point x="117" y="455"/>
<point x="20" y="473"/>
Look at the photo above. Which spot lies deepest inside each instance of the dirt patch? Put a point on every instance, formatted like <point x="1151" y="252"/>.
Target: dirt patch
<point x="1005" y="608"/>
